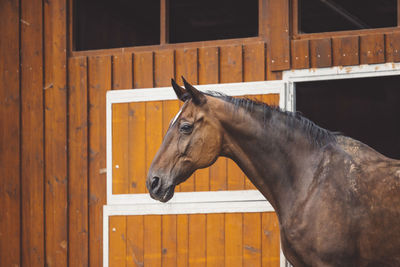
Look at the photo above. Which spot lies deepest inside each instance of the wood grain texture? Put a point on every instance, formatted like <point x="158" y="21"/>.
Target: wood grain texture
<point x="392" y="41"/>
<point x="99" y="81"/>
<point x="182" y="240"/>
<point x="233" y="239"/>
<point x="270" y="240"/>
<point x="321" y="53"/>
<point x="32" y="146"/>
<point x="254" y="62"/>
<point x="121" y="79"/>
<point x="56" y="205"/>
<point x="372" y="49"/>
<point x="197" y="240"/>
<point x="277" y="34"/>
<point x="78" y="163"/>
<point x="345" y="51"/>
<point x="215" y="239"/>
<point x="10" y="134"/>
<point x="300" y="54"/>
<point x="117" y="241"/>
<point x="252" y="239"/>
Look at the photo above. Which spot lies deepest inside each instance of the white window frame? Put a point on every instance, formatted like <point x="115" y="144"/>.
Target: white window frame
<point x="184" y="202"/>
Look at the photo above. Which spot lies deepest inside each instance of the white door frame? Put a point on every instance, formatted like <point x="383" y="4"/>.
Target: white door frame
<point x="183" y="202"/>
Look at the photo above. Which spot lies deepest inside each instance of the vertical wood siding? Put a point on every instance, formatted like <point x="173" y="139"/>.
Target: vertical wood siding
<point x="52" y="139"/>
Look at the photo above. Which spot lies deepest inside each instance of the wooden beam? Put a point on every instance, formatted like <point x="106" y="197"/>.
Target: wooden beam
<point x="164" y="21"/>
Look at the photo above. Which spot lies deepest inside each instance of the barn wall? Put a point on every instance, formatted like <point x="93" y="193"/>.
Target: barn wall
<point x="52" y="116"/>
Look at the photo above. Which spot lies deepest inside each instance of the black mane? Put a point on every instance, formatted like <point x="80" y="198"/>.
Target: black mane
<point x="294" y="120"/>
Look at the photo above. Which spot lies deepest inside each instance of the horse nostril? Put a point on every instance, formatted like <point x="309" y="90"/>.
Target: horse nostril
<point x="154" y="183"/>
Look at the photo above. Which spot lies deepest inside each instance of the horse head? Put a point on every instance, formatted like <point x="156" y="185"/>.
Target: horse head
<point x="193" y="141"/>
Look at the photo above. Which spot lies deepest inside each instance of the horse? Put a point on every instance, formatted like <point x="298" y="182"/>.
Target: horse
<point x="337" y="200"/>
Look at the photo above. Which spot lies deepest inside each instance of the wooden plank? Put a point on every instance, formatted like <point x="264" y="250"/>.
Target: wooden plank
<point x="117" y="241"/>
<point x="78" y="162"/>
<point x="99" y="81"/>
<point x="215" y="240"/>
<point x="197" y="240"/>
<point x="321" y="53"/>
<point x="233" y="239"/>
<point x="55" y="80"/>
<point x="186" y="65"/>
<point x="392" y="41"/>
<point x="254" y="62"/>
<point x="152" y="224"/>
<point x="164" y="21"/>
<point x="121" y="79"/>
<point x="142" y="78"/>
<point x="164" y="71"/>
<point x="345" y="51"/>
<point x="10" y="134"/>
<point x="152" y="240"/>
<point x="182" y="240"/>
<point x="251" y="239"/>
<point x="300" y="54"/>
<point x="277" y="34"/>
<point x="270" y="240"/>
<point x="32" y="154"/>
<point x="372" y="49"/>
<point x="134" y="241"/>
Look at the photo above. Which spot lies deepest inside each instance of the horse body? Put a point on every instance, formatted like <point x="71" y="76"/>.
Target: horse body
<point x="337" y="200"/>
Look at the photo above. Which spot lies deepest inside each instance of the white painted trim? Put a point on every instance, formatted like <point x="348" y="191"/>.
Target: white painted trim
<point x="192" y="197"/>
<point x="348" y="72"/>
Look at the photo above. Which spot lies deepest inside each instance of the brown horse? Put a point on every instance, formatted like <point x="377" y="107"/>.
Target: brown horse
<point x="337" y="200"/>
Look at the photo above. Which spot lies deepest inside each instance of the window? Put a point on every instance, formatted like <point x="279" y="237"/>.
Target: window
<point x="339" y="15"/>
<point x="192" y="20"/>
<point x="102" y="24"/>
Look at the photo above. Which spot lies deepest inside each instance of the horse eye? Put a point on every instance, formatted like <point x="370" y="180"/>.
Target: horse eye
<point x="186" y="128"/>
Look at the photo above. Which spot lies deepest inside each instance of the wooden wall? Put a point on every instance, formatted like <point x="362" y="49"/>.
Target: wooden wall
<point x="52" y="116"/>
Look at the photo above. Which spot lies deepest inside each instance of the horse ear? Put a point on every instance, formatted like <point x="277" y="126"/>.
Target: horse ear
<point x="180" y="91"/>
<point x="197" y="96"/>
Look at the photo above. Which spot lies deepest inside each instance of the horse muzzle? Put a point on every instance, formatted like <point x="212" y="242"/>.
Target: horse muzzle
<point x="158" y="191"/>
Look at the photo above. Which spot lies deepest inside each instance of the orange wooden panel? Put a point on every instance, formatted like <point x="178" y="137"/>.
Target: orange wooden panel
<point x="32" y="154"/>
<point x="56" y="168"/>
<point x="143" y="70"/>
<point x="270" y="240"/>
<point x="10" y="140"/>
<point x="233" y="239"/>
<point x="345" y="51"/>
<point x="78" y="163"/>
<point x="136" y="144"/>
<point x="197" y="240"/>
<point x="186" y="65"/>
<point x="252" y="239"/>
<point x="99" y="81"/>
<point x="277" y="34"/>
<point x="372" y="49"/>
<point x="392" y="41"/>
<point x="117" y="241"/>
<point x="182" y="240"/>
<point x="134" y="241"/>
<point x="300" y="54"/>
<point x="152" y="240"/>
<point x="169" y="240"/>
<point x="321" y="53"/>
<point x="215" y="240"/>
<point x="254" y="62"/>
<point x="122" y="79"/>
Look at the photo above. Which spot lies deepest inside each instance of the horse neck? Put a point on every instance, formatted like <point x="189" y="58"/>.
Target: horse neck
<point x="275" y="157"/>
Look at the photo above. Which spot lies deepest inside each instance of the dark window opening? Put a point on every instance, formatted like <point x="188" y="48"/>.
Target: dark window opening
<point x="101" y="24"/>
<point x="341" y="15"/>
<point x="365" y="109"/>
<point x="192" y="20"/>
